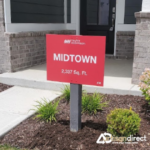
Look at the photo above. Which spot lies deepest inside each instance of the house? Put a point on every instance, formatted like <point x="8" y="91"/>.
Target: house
<point x="24" y="24"/>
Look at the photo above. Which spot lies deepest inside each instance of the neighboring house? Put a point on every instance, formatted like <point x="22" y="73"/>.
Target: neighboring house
<point x="24" y="24"/>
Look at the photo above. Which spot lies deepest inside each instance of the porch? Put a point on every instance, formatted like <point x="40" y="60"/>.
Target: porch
<point x="23" y="36"/>
<point x="117" y="80"/>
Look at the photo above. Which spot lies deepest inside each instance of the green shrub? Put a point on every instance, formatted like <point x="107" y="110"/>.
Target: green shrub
<point x="145" y="84"/>
<point x="123" y="122"/>
<point x="47" y="110"/>
<point x="92" y="103"/>
<point x="66" y="93"/>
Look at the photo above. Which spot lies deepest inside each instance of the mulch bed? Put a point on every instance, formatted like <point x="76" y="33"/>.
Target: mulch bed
<point x="57" y="136"/>
<point x="4" y="87"/>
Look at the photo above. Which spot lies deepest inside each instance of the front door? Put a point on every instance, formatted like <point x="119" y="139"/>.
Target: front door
<point x="98" y="19"/>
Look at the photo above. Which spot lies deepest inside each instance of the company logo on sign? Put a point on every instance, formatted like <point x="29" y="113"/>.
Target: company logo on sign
<point x="75" y="58"/>
<point x="67" y="41"/>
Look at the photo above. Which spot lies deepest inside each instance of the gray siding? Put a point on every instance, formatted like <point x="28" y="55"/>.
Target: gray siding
<point x="37" y="11"/>
<point x="68" y="11"/>
<point x="131" y="7"/>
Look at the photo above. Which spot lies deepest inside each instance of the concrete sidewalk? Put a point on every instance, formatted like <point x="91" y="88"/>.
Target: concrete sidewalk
<point x="16" y="104"/>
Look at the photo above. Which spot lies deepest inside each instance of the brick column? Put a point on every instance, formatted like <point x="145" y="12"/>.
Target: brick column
<point x="142" y="45"/>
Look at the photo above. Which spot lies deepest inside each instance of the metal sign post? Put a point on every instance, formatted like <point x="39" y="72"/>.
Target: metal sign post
<point x="75" y="107"/>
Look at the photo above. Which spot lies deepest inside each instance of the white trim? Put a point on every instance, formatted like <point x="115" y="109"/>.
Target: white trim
<point x="146" y="6"/>
<point x="24" y="27"/>
<point x="78" y="17"/>
<point x="70" y="26"/>
<point x="73" y="11"/>
<point x="126" y="27"/>
<point x="120" y="7"/>
<point x="7" y="11"/>
<point x="65" y="11"/>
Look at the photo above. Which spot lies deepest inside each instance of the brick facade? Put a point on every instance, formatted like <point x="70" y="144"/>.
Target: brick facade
<point x="4" y="50"/>
<point x="142" y="45"/>
<point x="125" y="44"/>
<point x="29" y="48"/>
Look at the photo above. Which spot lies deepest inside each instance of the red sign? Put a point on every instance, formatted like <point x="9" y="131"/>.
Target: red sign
<point x="76" y="59"/>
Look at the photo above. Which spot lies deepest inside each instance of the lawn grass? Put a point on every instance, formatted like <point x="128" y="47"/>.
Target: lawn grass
<point x="6" y="147"/>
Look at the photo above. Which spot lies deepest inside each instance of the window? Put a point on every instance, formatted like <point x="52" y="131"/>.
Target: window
<point x="98" y="12"/>
<point x="37" y="11"/>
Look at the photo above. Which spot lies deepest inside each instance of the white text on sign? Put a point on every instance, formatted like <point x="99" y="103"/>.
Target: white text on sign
<point x="75" y="72"/>
<point x="75" y="58"/>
